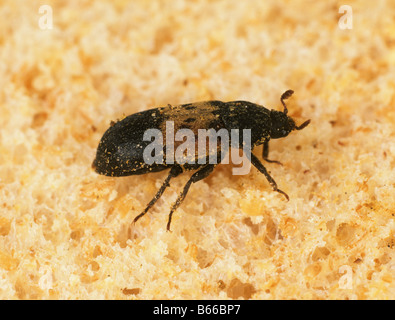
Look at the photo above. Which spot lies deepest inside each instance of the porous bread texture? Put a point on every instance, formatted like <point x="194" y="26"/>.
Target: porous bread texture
<point x="66" y="232"/>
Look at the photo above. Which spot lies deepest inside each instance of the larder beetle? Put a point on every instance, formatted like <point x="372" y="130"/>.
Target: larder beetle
<point x="120" y="151"/>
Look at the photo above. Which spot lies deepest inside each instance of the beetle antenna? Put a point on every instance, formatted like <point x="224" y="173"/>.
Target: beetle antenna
<point x="285" y="96"/>
<point x="303" y="125"/>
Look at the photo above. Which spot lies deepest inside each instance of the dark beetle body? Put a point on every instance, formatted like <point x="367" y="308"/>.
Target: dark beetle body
<point x="120" y="151"/>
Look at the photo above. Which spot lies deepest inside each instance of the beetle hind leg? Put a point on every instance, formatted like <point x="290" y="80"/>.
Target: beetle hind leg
<point x="197" y="176"/>
<point x="174" y="172"/>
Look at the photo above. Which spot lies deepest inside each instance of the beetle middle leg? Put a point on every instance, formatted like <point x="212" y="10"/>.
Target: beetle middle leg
<point x="257" y="164"/>
<point x="174" y="172"/>
<point x="265" y="153"/>
<point x="202" y="173"/>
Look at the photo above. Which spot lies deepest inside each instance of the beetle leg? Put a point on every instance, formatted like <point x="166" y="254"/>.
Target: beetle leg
<point x="197" y="176"/>
<point x="174" y="172"/>
<point x="266" y="153"/>
<point x="257" y="164"/>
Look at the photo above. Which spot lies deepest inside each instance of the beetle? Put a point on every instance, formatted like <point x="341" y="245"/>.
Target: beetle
<point x="120" y="151"/>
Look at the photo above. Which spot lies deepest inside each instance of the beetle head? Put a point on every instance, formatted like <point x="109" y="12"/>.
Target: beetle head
<point x="282" y="124"/>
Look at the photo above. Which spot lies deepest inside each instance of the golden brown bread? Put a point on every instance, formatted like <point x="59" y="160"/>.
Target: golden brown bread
<point x="65" y="232"/>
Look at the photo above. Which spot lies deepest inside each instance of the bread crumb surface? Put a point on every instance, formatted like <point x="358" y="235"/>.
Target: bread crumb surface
<point x="66" y="232"/>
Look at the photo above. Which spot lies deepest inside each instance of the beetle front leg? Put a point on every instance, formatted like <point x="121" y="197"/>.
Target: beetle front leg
<point x="265" y="153"/>
<point x="174" y="172"/>
<point x="197" y="176"/>
<point x="257" y="164"/>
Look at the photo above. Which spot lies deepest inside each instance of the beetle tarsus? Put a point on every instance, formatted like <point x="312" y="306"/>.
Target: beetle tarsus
<point x="273" y="161"/>
<point x="283" y="193"/>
